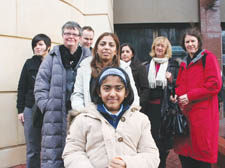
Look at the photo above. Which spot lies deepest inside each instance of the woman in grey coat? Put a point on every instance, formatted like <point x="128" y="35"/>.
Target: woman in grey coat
<point x="53" y="87"/>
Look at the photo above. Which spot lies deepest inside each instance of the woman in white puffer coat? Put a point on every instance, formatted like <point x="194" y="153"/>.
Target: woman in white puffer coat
<point x="105" y="53"/>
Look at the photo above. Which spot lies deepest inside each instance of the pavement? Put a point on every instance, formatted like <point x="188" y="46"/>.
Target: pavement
<point x="172" y="161"/>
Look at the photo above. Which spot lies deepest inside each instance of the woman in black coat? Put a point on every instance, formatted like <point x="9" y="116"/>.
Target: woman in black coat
<point x="138" y="70"/>
<point x="162" y="71"/>
<point x="25" y="99"/>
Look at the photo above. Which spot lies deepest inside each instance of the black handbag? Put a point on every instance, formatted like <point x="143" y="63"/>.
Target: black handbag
<point x="173" y="122"/>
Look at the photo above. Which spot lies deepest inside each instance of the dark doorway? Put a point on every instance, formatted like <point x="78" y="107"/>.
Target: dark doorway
<point x="141" y="37"/>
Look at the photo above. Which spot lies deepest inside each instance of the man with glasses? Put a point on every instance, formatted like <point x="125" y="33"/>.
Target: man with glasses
<point x="53" y="88"/>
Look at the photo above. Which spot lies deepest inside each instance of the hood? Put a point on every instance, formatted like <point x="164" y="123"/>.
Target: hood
<point x="55" y="51"/>
<point x="91" y="110"/>
<point x="179" y="60"/>
<point x="197" y="57"/>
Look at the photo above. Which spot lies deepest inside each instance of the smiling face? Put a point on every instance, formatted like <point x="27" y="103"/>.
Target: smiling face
<point x="126" y="54"/>
<point x="160" y="49"/>
<point x="40" y="48"/>
<point x="87" y="38"/>
<point x="71" y="38"/>
<point x="106" y="49"/>
<point x="191" y="44"/>
<point x="112" y="93"/>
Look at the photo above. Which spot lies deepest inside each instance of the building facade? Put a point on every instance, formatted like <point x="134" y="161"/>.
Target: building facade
<point x="21" y="20"/>
<point x="137" y="22"/>
<point x="141" y="21"/>
<point x="149" y="19"/>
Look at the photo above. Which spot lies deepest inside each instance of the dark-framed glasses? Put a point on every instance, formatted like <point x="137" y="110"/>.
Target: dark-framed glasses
<point x="71" y="34"/>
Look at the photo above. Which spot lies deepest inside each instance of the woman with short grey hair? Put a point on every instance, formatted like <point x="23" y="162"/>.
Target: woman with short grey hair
<point x="53" y="87"/>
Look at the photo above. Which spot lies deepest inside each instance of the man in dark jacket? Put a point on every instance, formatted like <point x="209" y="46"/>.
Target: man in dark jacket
<point x="53" y="88"/>
<point x="25" y="99"/>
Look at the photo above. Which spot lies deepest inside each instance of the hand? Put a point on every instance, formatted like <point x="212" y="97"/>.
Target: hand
<point x="169" y="76"/>
<point x="117" y="162"/>
<point x="183" y="100"/>
<point x="21" y="117"/>
<point x="173" y="99"/>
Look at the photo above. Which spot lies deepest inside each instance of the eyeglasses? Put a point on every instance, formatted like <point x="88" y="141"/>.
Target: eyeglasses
<point x="71" y="34"/>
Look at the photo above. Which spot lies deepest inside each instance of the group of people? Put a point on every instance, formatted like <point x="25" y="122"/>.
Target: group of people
<point x="117" y="102"/>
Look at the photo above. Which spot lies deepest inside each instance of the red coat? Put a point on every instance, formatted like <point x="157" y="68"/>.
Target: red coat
<point x="201" y="84"/>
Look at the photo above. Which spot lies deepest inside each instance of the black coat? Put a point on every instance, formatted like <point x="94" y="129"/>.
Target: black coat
<point x="141" y="80"/>
<point x="164" y="96"/>
<point x="173" y="67"/>
<point x="25" y="96"/>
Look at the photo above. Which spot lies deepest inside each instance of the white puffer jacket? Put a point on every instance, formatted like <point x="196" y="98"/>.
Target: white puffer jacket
<point x="81" y="95"/>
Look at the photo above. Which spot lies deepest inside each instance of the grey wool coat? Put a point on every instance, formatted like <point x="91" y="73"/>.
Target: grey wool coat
<point x="50" y="96"/>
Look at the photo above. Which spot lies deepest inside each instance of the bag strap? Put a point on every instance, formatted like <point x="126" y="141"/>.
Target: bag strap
<point x="204" y="60"/>
<point x="220" y="94"/>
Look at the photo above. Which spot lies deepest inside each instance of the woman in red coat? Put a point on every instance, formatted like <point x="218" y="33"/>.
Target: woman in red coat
<point x="197" y="86"/>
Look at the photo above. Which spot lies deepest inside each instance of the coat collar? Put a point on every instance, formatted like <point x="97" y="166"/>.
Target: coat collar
<point x="56" y="52"/>
<point x="91" y="111"/>
<point x="197" y="58"/>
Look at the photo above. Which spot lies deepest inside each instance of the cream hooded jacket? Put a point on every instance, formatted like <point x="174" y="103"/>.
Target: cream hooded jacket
<point x="92" y="142"/>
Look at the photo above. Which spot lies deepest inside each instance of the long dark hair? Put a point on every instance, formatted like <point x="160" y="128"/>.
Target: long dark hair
<point x="96" y="89"/>
<point x="96" y="63"/>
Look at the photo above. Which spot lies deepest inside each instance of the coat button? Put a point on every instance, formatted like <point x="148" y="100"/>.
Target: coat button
<point x="133" y="109"/>
<point x="120" y="139"/>
<point x="123" y="119"/>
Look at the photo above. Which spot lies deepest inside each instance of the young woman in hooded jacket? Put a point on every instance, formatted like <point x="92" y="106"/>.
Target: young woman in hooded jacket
<point x="111" y="132"/>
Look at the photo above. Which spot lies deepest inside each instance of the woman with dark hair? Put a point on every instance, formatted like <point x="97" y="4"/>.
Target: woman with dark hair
<point x="197" y="86"/>
<point x="111" y="132"/>
<point x="106" y="52"/>
<point x="41" y="44"/>
<point x="138" y="70"/>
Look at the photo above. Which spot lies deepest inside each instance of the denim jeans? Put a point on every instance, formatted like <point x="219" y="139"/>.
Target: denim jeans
<point x="33" y="140"/>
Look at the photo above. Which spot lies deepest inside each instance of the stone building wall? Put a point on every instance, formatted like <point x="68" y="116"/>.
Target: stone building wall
<point x="21" y="20"/>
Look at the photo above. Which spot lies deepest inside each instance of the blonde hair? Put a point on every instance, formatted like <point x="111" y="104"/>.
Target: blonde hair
<point x="162" y="40"/>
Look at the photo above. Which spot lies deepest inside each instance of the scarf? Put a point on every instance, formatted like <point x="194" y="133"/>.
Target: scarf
<point x="158" y="79"/>
<point x="113" y="119"/>
<point x="70" y="60"/>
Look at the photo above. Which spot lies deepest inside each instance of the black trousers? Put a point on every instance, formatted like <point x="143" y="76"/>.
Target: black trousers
<point x="188" y="162"/>
<point x="154" y="115"/>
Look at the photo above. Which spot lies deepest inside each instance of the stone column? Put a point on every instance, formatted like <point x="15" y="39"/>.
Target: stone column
<point x="210" y="24"/>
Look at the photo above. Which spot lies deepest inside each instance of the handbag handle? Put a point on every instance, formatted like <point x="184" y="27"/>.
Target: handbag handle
<point x="173" y="91"/>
